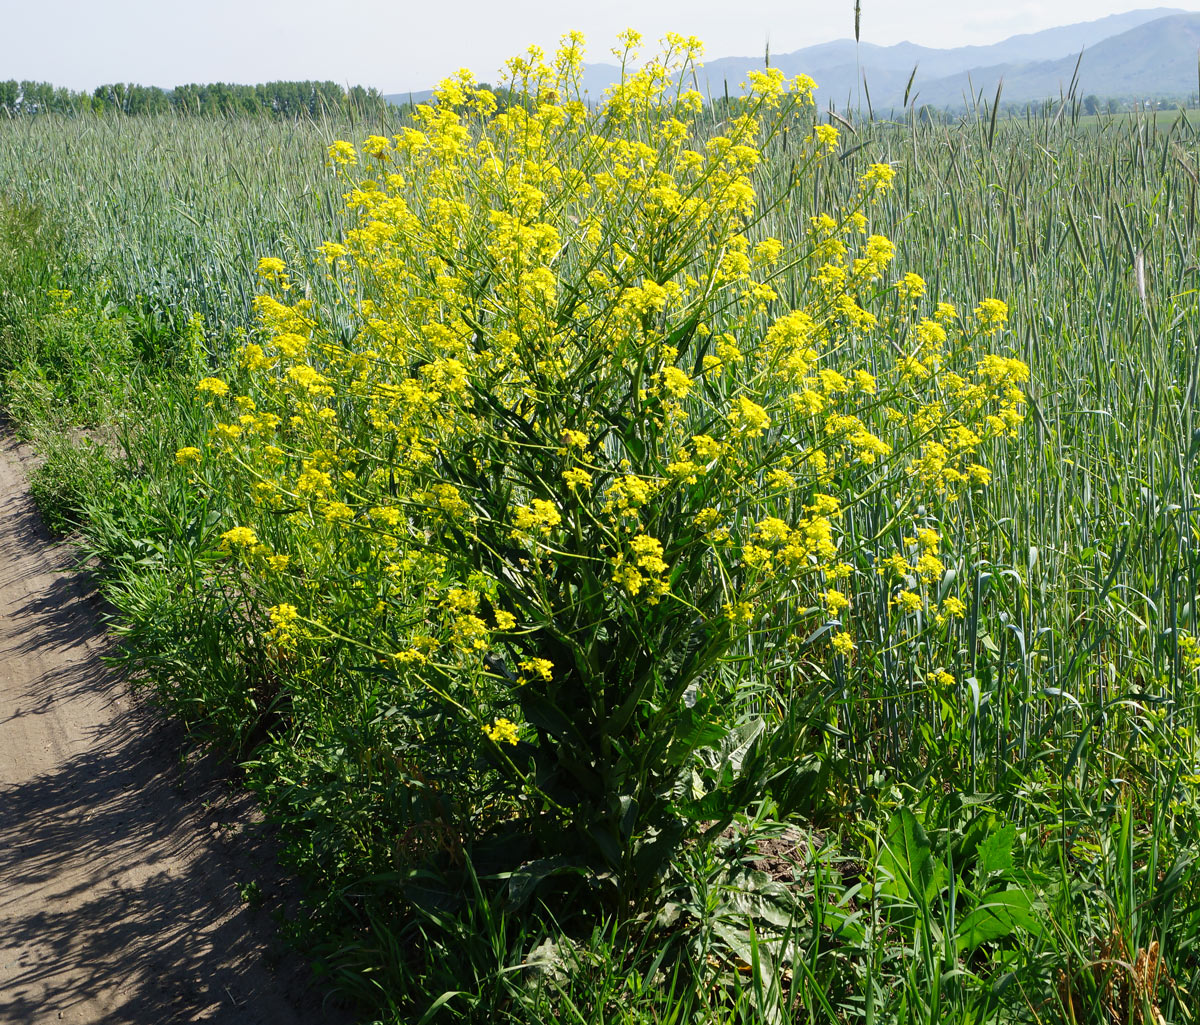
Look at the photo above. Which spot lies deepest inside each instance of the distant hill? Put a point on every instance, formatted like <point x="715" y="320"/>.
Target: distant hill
<point x="838" y="66"/>
<point x="399" y="99"/>
<point x="596" y="78"/>
<point x="1155" y="59"/>
<point x="1147" y="53"/>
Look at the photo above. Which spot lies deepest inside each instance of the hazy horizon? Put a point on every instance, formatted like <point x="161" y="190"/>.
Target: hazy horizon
<point x="399" y="50"/>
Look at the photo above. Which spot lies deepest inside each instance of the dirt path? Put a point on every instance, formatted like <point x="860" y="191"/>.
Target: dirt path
<point x="119" y="896"/>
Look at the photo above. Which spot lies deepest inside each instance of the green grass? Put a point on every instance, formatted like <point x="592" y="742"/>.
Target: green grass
<point x="1071" y="725"/>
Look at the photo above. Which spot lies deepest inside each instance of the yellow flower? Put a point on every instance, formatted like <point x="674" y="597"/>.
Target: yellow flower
<point x="386" y="515"/>
<point x="911" y="286"/>
<point x="642" y="568"/>
<point x="1189" y="652"/>
<point x="768" y="84"/>
<point x="337" y="512"/>
<point x="187" y="454"/>
<point x="313" y="481"/>
<point x="928" y="539"/>
<point x="748" y="418"/>
<point x="283" y="622"/>
<point x="213" y="386"/>
<point x="629" y="493"/>
<point x="449" y="500"/>
<point x="756" y="557"/>
<point x="411" y="656"/>
<point x="940" y="678"/>
<point x="291" y="344"/>
<point x="238" y="537"/>
<point x="773" y="530"/>
<point x="823" y="505"/>
<point x="252" y="357"/>
<point x="835" y="601"/>
<point x="992" y="314"/>
<point x="470" y="633"/>
<point x="684" y="470"/>
<point x="739" y="612"/>
<point x="539" y="517"/>
<point x="826" y="136"/>
<point x="502" y="731"/>
<point x="342" y="153"/>
<point x="331" y="251"/>
<point x="768" y="250"/>
<point x="707" y="449"/>
<point x="676" y="382"/>
<point x="877" y="179"/>
<point x="780" y="478"/>
<point x="930" y="568"/>
<point x="955" y="607"/>
<point x="577" y="478"/>
<point x="945" y="313"/>
<point x="864" y="382"/>
<point x="376" y="146"/>
<point x="540" y="668"/>
<point x="648" y="553"/>
<point x="461" y="599"/>
<point x="842" y="643"/>
<point x="801" y="86"/>
<point x="271" y="267"/>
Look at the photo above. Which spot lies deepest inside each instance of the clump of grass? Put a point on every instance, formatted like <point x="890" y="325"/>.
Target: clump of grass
<point x="72" y="477"/>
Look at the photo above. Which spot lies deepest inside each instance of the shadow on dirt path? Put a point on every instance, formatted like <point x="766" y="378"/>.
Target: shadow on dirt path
<point x="119" y="898"/>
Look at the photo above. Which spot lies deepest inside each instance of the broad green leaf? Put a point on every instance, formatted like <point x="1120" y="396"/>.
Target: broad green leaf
<point x="995" y="853"/>
<point x="1000" y="913"/>
<point x="907" y="859"/>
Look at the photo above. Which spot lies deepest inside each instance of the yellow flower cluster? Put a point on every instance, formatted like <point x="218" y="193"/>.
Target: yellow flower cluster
<point x="502" y="731"/>
<point x="556" y="373"/>
<point x="238" y="537"/>
<point x="284" y="624"/>
<point x="640" y="570"/>
<point x="212" y="386"/>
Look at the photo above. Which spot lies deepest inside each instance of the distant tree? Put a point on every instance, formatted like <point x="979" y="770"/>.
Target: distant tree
<point x="215" y="99"/>
<point x="1091" y="104"/>
<point x="10" y="96"/>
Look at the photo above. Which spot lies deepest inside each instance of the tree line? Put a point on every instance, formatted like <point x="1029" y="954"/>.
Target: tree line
<point x="275" y="99"/>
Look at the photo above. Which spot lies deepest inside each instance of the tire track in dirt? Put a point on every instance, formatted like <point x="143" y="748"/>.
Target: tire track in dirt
<point x="118" y="903"/>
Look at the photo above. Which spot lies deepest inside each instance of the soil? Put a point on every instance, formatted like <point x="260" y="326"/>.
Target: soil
<point x="122" y="877"/>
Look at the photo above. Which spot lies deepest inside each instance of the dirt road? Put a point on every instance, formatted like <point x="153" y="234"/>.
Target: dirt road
<point x="119" y="898"/>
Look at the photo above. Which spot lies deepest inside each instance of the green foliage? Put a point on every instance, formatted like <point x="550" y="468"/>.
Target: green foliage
<point x="71" y="478"/>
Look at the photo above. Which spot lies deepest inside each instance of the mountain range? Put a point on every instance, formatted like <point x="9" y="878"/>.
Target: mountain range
<point x="1139" y="54"/>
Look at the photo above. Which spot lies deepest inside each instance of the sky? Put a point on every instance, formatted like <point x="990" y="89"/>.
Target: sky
<point x="401" y="45"/>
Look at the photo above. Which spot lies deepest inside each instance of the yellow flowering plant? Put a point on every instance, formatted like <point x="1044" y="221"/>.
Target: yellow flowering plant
<point x="559" y="435"/>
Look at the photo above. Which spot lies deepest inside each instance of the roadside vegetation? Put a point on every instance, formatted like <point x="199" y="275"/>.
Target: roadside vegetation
<point x="654" y="563"/>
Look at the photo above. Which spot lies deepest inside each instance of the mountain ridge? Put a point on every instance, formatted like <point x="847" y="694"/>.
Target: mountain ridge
<point x="1146" y="52"/>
